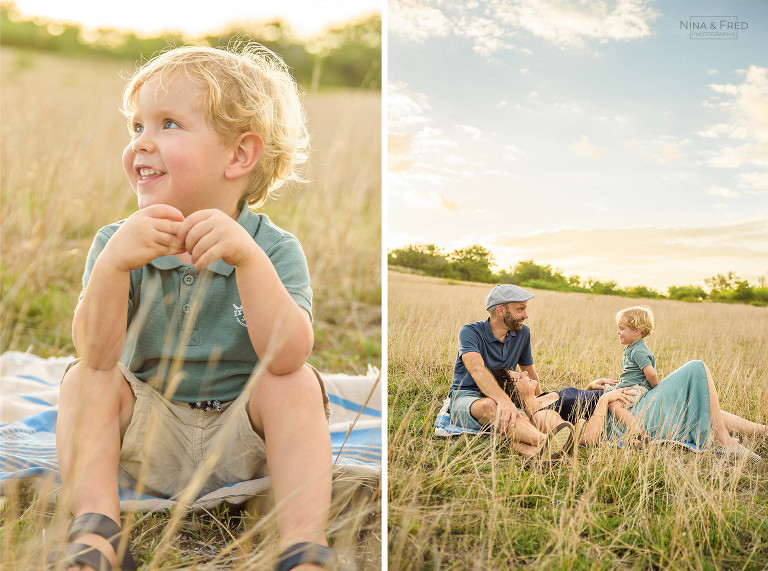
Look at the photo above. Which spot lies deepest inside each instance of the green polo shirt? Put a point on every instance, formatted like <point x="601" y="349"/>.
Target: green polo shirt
<point x="187" y="335"/>
<point x="637" y="357"/>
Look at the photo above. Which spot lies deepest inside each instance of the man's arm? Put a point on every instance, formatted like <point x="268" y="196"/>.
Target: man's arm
<point x="506" y="411"/>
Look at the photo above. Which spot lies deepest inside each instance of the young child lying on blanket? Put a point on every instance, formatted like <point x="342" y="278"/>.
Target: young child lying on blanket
<point x="185" y="297"/>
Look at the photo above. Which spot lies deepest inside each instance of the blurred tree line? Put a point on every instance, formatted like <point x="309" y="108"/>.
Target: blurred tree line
<point x="475" y="262"/>
<point x="347" y="56"/>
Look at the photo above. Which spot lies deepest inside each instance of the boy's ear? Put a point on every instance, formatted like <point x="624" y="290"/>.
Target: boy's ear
<point x="246" y="152"/>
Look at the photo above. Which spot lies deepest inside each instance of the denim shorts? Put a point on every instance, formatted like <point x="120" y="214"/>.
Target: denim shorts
<point x="461" y="401"/>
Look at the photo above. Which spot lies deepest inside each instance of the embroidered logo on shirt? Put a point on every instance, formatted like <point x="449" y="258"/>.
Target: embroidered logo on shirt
<point x="239" y="314"/>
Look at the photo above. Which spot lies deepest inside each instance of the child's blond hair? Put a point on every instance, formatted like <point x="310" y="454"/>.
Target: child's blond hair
<point x="638" y="316"/>
<point x="246" y="88"/>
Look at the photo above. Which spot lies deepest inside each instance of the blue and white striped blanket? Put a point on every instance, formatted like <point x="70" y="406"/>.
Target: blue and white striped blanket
<point x="29" y="391"/>
<point x="444" y="426"/>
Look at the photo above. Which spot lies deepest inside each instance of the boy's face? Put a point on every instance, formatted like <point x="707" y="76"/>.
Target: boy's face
<point x="175" y="157"/>
<point x="627" y="334"/>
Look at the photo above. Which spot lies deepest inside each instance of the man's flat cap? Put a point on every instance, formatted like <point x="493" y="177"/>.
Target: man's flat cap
<point x="506" y="293"/>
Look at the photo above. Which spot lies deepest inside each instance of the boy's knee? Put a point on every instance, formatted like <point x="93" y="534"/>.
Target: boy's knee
<point x="299" y="385"/>
<point x="81" y="380"/>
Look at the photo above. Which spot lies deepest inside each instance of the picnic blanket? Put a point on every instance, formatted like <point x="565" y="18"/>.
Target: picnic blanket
<point x="445" y="428"/>
<point x="29" y="391"/>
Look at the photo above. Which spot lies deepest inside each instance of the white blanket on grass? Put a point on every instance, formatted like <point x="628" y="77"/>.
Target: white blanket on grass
<point x="29" y="393"/>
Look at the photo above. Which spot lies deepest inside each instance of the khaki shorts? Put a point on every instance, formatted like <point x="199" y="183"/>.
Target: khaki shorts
<point x="640" y="392"/>
<point x="167" y="441"/>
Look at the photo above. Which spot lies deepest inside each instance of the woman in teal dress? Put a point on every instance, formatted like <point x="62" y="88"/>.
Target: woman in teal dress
<point x="684" y="407"/>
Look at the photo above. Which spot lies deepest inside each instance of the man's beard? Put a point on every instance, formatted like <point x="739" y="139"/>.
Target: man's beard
<point x="511" y="323"/>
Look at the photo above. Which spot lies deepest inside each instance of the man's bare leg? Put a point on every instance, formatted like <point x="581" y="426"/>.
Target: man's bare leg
<point x="523" y="432"/>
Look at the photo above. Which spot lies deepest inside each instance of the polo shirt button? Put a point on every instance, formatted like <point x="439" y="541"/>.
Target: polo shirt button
<point x="186" y="308"/>
<point x="189" y="279"/>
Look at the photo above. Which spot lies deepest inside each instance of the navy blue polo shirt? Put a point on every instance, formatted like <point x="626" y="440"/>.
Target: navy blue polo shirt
<point x="477" y="337"/>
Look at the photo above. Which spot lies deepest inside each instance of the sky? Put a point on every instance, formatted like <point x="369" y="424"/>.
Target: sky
<point x="306" y="17"/>
<point x="615" y="140"/>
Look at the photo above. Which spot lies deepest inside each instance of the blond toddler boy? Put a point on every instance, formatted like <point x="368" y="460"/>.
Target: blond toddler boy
<point x="183" y="299"/>
<point x="638" y="364"/>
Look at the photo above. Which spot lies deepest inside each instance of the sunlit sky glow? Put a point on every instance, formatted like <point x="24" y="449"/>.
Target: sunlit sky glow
<point x="306" y="17"/>
<point x="597" y="137"/>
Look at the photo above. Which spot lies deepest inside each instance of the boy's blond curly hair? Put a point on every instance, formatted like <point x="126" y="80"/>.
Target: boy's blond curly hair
<point x="638" y="316"/>
<point x="246" y="88"/>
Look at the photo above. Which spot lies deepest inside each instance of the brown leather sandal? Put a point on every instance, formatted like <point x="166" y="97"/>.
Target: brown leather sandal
<point x="73" y="554"/>
<point x="305" y="552"/>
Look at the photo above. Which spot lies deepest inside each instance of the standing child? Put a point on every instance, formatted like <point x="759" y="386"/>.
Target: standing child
<point x="638" y="368"/>
<point x="184" y="298"/>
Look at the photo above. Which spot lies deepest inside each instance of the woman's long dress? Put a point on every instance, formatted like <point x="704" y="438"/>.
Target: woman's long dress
<point x="675" y="409"/>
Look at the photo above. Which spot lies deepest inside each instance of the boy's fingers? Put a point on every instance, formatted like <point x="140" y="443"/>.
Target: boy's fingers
<point x="172" y="227"/>
<point x="164" y="211"/>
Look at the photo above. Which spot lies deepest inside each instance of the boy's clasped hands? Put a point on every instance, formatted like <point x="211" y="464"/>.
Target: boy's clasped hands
<point x="162" y="230"/>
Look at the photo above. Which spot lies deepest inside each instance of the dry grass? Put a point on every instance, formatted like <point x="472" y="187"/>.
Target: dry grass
<point x="467" y="503"/>
<point x="62" y="179"/>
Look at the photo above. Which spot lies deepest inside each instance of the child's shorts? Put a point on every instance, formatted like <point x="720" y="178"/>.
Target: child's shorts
<point x="166" y="441"/>
<point x="640" y="392"/>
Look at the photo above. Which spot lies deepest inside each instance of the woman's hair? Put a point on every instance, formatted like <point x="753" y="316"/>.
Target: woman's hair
<point x="509" y="386"/>
<point x="638" y="316"/>
<point x="246" y="88"/>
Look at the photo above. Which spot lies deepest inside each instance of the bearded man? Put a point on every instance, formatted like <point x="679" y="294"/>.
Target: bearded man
<point x="476" y="400"/>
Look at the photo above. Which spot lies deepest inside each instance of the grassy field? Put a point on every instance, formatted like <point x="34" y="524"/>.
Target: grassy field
<point x="468" y="503"/>
<point x="62" y="179"/>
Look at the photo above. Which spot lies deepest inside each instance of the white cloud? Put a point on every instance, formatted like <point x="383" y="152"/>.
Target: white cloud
<point x="570" y="23"/>
<point x="723" y="192"/>
<point x="474" y="132"/>
<point x="492" y="25"/>
<point x="667" y="149"/>
<point x="416" y="20"/>
<point x="513" y="153"/>
<point x="746" y="107"/>
<point x="754" y="180"/>
<point x="585" y="148"/>
<point x="406" y="109"/>
<point x="732" y="157"/>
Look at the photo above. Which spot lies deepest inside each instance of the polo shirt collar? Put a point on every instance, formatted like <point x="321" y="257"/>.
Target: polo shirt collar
<point x="247" y="219"/>
<point x="489" y="334"/>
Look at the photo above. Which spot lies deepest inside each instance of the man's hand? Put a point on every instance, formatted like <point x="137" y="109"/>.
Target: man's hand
<point x="147" y="234"/>
<point x="506" y="414"/>
<point x="210" y="234"/>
